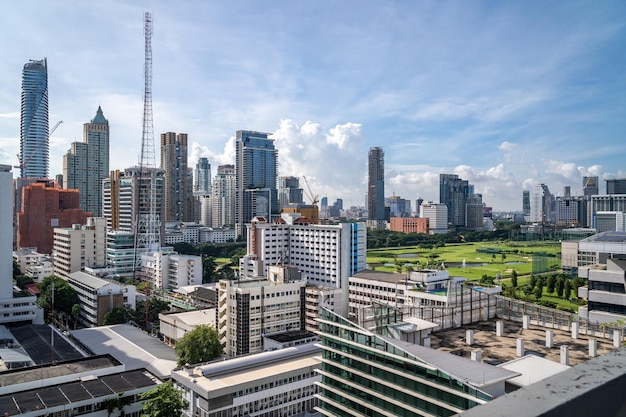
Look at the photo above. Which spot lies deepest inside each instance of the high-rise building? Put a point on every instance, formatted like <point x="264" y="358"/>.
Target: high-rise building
<point x="44" y="207"/>
<point x="256" y="173"/>
<point x="289" y="191"/>
<point x="541" y="204"/>
<point x="177" y="192"/>
<point x="376" y="184"/>
<point x="12" y="309"/>
<point x="86" y="164"/>
<point x="202" y="177"/>
<point x="79" y="246"/>
<point x="590" y="186"/>
<point x="526" y="202"/>
<point x="126" y="198"/>
<point x="223" y="196"/>
<point x="453" y="192"/>
<point x="437" y="215"/>
<point x="474" y="212"/>
<point x="34" y="127"/>
<point x="616" y="186"/>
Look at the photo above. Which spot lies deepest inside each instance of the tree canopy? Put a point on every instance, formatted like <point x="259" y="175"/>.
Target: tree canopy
<point x="163" y="401"/>
<point x="64" y="295"/>
<point x="201" y="344"/>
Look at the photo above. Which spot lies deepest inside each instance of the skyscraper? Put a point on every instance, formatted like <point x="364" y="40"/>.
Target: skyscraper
<point x="540" y="204"/>
<point x="376" y="184"/>
<point x="289" y="191"/>
<point x="256" y="173"/>
<point x="34" y="127"/>
<point x="86" y="164"/>
<point x="223" y="196"/>
<point x="178" y="195"/>
<point x="616" y="186"/>
<point x="453" y="192"/>
<point x="202" y="177"/>
<point x="590" y="186"/>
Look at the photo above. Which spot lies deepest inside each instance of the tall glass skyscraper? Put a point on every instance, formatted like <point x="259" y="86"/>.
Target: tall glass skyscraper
<point x="202" y="177"/>
<point x="376" y="184"/>
<point x="34" y="127"/>
<point x="256" y="174"/>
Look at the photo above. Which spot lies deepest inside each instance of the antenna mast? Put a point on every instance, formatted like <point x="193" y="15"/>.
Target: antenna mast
<point x="147" y="226"/>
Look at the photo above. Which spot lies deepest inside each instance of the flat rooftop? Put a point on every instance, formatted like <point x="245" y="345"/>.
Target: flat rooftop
<point x="497" y="350"/>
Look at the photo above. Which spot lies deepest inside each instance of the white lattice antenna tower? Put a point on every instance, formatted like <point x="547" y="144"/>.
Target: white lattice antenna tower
<point x="147" y="229"/>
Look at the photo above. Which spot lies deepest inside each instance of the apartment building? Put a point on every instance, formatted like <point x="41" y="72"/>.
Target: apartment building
<point x="604" y="292"/>
<point x="249" y="309"/>
<point x="79" y="246"/>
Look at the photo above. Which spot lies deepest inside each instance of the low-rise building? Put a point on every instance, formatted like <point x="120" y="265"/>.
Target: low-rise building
<point x="174" y="326"/>
<point x="98" y="296"/>
<point x="277" y="383"/>
<point x="409" y="224"/>
<point x="167" y="269"/>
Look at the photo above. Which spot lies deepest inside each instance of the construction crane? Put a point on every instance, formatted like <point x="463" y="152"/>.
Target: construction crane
<point x="310" y="195"/>
<point x="24" y="162"/>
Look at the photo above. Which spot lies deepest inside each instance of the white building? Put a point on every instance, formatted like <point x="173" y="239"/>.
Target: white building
<point x="249" y="309"/>
<point x="167" y="269"/>
<point x="26" y="257"/>
<point x="326" y="255"/>
<point x="43" y="269"/>
<point x="174" y="326"/>
<point x="12" y="309"/>
<point x="223" y="197"/>
<point x="99" y="296"/>
<point x="609" y="221"/>
<point x="217" y="235"/>
<point x="437" y="215"/>
<point x="120" y="252"/>
<point x="277" y="383"/>
<point x="604" y="292"/>
<point x="79" y="246"/>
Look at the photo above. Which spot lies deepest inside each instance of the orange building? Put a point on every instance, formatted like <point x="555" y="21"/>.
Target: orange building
<point x="44" y="207"/>
<point x="409" y="224"/>
<point x="309" y="211"/>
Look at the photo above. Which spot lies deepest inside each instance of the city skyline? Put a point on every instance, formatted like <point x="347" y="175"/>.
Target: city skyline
<point x="504" y="95"/>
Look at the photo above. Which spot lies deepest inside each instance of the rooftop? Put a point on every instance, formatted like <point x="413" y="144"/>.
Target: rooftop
<point x="614" y="237"/>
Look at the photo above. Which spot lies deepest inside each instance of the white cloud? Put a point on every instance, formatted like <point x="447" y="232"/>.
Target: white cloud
<point x="507" y="146"/>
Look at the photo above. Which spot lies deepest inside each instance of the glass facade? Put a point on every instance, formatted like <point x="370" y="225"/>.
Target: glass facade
<point x="34" y="143"/>
<point x="364" y="374"/>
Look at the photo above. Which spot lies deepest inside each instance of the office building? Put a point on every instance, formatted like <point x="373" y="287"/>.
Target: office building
<point x="34" y="127"/>
<point x="325" y="254"/>
<point x="437" y="215"/>
<point x="453" y="192"/>
<point x="255" y="175"/>
<point x="252" y="308"/>
<point x="398" y="206"/>
<point x="605" y="203"/>
<point x="616" y="186"/>
<point x="570" y="211"/>
<point x="202" y="177"/>
<point x="376" y="184"/>
<point x="177" y="197"/>
<point x="79" y="246"/>
<point x="590" y="186"/>
<point x="289" y="191"/>
<point x="540" y="204"/>
<point x="409" y="224"/>
<point x="166" y="269"/>
<point x="12" y="309"/>
<point x="86" y="164"/>
<point x="121" y="257"/>
<point x="526" y="203"/>
<point x="610" y="221"/>
<point x="364" y="373"/>
<point x="44" y="207"/>
<point x="474" y="212"/>
<point x="223" y="197"/>
<point x="277" y="383"/>
<point x="98" y="296"/>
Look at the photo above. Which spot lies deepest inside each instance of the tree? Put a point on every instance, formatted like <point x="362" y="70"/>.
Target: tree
<point x="537" y="292"/>
<point x="64" y="295"/>
<point x="22" y="280"/>
<point x="16" y="269"/>
<point x="115" y="316"/>
<point x="533" y="281"/>
<point x="514" y="278"/>
<point x="201" y="344"/>
<point x="551" y="283"/>
<point x="560" y="285"/>
<point x="503" y="257"/>
<point x="567" y="288"/>
<point x="76" y="314"/>
<point x="208" y="269"/>
<point x="164" y="400"/>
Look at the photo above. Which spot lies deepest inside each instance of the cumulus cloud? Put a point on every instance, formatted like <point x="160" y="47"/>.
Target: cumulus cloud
<point x="507" y="146"/>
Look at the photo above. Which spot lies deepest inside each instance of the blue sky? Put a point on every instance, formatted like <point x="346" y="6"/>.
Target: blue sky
<point x="505" y="94"/>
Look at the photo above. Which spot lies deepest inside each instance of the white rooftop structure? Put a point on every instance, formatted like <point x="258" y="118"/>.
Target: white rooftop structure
<point x="532" y="368"/>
